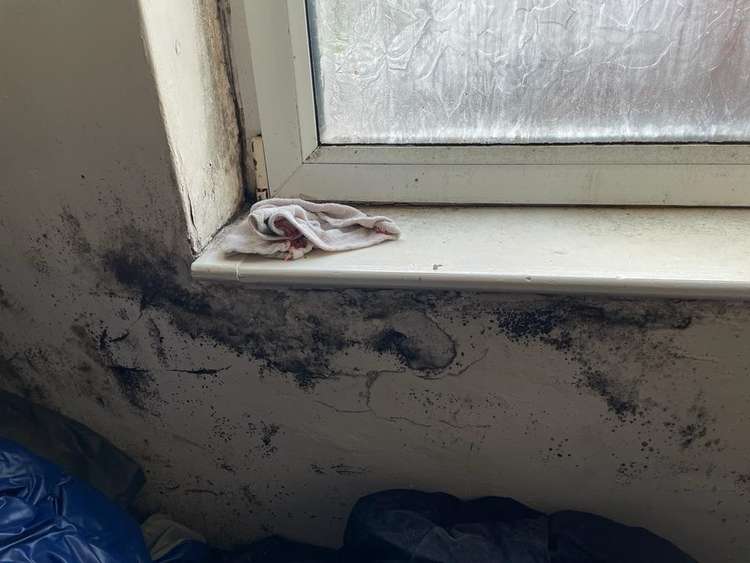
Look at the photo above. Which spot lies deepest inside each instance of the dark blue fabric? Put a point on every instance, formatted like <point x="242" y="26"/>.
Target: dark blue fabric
<point x="190" y="551"/>
<point x="403" y="525"/>
<point x="49" y="517"/>
<point x="416" y="527"/>
<point x="279" y="550"/>
<point x="436" y="528"/>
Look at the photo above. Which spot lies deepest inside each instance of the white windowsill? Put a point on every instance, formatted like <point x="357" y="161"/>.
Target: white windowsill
<point x="619" y="251"/>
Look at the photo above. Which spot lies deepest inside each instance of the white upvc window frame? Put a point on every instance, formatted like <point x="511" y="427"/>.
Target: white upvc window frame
<point x="297" y="165"/>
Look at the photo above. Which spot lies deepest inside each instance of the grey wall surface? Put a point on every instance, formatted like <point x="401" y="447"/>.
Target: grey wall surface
<point x="272" y="411"/>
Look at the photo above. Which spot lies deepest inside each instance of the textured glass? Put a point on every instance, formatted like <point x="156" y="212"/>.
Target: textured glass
<point x="531" y="71"/>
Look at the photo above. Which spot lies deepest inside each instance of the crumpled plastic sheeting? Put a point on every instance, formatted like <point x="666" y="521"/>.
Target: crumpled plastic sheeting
<point x="531" y="71"/>
<point x="49" y="517"/>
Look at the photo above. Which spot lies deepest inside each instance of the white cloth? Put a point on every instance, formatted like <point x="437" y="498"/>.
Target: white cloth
<point x="290" y="228"/>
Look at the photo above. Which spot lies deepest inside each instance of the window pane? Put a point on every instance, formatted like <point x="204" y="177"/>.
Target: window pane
<point x="531" y="71"/>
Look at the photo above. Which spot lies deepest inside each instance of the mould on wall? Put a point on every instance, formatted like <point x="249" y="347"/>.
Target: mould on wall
<point x="696" y="426"/>
<point x="578" y="327"/>
<point x="4" y="301"/>
<point x="267" y="435"/>
<point x="286" y="341"/>
<point x="73" y="232"/>
<point x="310" y="338"/>
<point x="621" y="397"/>
<point x="553" y="320"/>
<point x="157" y="341"/>
<point x="153" y="275"/>
<point x="135" y="384"/>
<point x="416" y="341"/>
<point x="16" y="379"/>
<point x="742" y="482"/>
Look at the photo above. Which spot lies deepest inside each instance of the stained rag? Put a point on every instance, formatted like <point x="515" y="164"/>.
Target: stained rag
<point x="290" y="228"/>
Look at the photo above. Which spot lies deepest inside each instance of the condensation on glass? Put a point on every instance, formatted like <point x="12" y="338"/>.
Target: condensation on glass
<point x="531" y="71"/>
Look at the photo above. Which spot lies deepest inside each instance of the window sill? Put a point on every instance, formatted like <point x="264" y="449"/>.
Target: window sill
<point x="618" y="251"/>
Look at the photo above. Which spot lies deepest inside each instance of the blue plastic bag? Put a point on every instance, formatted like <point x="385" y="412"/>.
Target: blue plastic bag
<point x="49" y="517"/>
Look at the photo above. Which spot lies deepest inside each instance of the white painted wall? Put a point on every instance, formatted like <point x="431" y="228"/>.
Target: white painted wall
<point x="184" y="43"/>
<point x="272" y="411"/>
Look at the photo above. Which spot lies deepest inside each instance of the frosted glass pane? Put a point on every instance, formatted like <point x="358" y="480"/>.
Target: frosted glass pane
<point x="531" y="71"/>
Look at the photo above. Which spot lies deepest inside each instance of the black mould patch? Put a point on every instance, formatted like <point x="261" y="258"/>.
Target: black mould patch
<point x="742" y="481"/>
<point x="578" y="327"/>
<point x="630" y="471"/>
<point x="269" y="431"/>
<point x="157" y="341"/>
<point x="526" y="324"/>
<point x="306" y="377"/>
<point x="17" y="380"/>
<point x="301" y="348"/>
<point x="73" y="233"/>
<point x="340" y="469"/>
<point x="135" y="384"/>
<point x="621" y="401"/>
<point x="553" y="321"/>
<point x="343" y="469"/>
<point x="4" y="301"/>
<point x="154" y="277"/>
<point x="417" y="342"/>
<point x="696" y="427"/>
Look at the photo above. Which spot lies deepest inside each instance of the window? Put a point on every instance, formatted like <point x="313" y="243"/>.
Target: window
<point x="500" y="101"/>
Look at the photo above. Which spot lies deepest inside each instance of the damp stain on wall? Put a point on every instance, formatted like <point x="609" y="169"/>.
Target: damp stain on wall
<point x="417" y="342"/>
<point x="591" y="333"/>
<point x="307" y="339"/>
<point x="290" y="336"/>
<point x="4" y="301"/>
<point x="20" y="380"/>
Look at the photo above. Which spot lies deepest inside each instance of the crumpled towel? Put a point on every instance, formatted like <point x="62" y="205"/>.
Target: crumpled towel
<point x="290" y="228"/>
